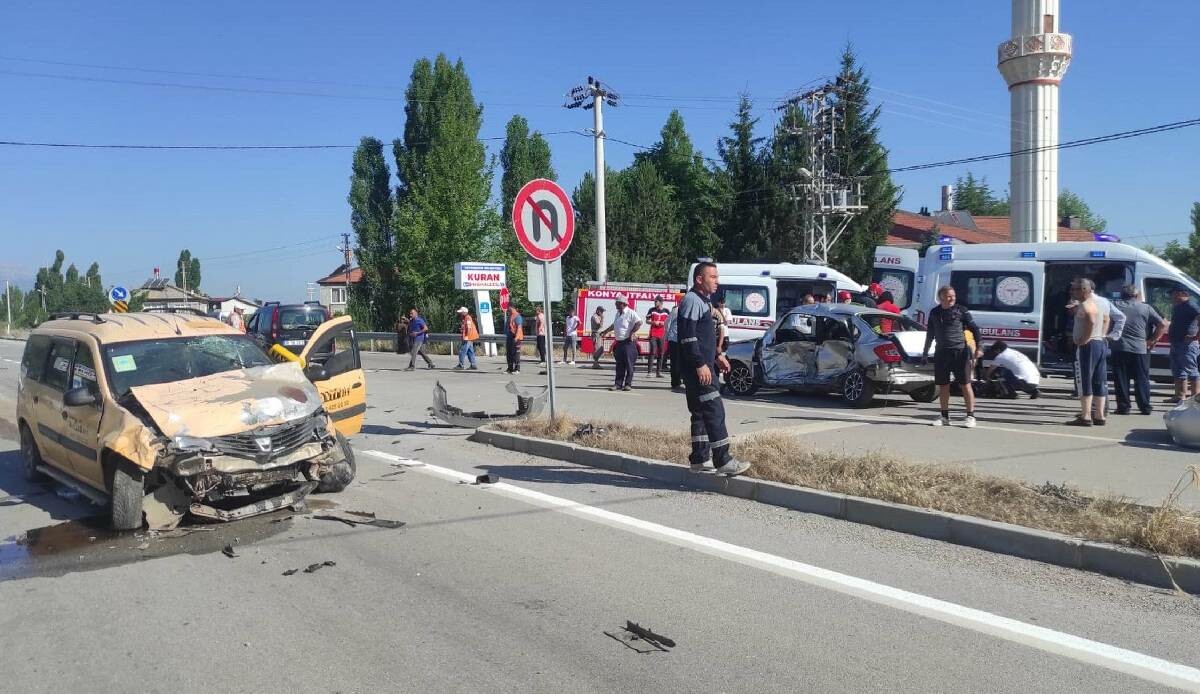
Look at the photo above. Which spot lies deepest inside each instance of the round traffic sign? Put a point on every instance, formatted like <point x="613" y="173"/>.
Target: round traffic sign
<point x="118" y="294"/>
<point x="504" y="299"/>
<point x="543" y="219"/>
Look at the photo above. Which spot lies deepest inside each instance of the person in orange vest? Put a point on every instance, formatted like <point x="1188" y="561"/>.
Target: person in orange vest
<point x="514" y="333"/>
<point x="469" y="335"/>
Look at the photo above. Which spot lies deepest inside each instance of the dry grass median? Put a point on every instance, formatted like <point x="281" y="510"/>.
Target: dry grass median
<point x="782" y="457"/>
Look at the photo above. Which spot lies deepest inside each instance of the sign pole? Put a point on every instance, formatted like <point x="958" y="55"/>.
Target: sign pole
<point x="549" y="333"/>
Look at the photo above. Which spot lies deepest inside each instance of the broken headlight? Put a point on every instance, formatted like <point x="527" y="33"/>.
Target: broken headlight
<point x="193" y="443"/>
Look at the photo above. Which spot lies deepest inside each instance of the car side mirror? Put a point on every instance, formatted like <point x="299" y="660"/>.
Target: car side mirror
<point x="78" y="397"/>
<point x="316" y="372"/>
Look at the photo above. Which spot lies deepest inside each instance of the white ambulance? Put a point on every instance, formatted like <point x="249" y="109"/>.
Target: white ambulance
<point x="1018" y="292"/>
<point x="757" y="294"/>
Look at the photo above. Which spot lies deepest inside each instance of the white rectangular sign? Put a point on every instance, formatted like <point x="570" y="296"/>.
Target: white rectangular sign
<point x="480" y="276"/>
<point x="533" y="270"/>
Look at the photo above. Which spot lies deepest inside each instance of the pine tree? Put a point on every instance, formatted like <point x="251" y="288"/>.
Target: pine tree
<point x="523" y="158"/>
<point x="441" y="214"/>
<point x="783" y="211"/>
<point x="691" y="185"/>
<point x="373" y="302"/>
<point x="866" y="160"/>
<point x="1071" y="205"/>
<point x="742" y="185"/>
<point x="579" y="262"/>
<point x="645" y="233"/>
<point x="976" y="197"/>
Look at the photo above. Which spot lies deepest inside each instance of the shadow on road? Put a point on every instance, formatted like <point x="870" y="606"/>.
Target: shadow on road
<point x="15" y="491"/>
<point x="1157" y="439"/>
<point x="410" y="428"/>
<point x="553" y="474"/>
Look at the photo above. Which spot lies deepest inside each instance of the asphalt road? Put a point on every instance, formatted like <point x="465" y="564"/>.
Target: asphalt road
<point x="510" y="587"/>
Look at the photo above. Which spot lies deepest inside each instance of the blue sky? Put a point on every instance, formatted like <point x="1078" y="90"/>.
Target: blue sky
<point x="933" y="64"/>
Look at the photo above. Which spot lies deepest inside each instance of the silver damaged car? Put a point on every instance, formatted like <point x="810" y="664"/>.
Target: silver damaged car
<point x="846" y="349"/>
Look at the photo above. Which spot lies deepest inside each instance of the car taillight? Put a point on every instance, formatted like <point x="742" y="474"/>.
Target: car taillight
<point x="888" y="354"/>
<point x="275" y="326"/>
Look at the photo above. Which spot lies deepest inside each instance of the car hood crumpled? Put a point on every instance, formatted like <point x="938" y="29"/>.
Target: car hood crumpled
<point x="230" y="402"/>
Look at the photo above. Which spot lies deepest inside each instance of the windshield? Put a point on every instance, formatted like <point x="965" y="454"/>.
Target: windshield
<point x="163" y="361"/>
<point x="891" y="324"/>
<point x="296" y="318"/>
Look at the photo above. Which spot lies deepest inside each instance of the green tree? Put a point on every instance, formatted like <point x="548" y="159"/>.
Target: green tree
<point x="931" y="238"/>
<point x="645" y="233"/>
<point x="524" y="157"/>
<point x="373" y="301"/>
<point x="691" y="186"/>
<point x="866" y="160"/>
<point x="742" y="184"/>
<point x="187" y="271"/>
<point x="441" y="214"/>
<point x="783" y="212"/>
<point x="55" y="292"/>
<point x="976" y="196"/>
<point x="1186" y="256"/>
<point x="1071" y="205"/>
<point x="579" y="262"/>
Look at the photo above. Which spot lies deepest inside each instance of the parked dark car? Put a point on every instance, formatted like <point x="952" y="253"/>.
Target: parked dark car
<point x="288" y="325"/>
<point x="852" y="351"/>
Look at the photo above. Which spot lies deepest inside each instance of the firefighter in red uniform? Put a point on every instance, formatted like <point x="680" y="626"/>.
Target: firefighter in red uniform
<point x="657" y="318"/>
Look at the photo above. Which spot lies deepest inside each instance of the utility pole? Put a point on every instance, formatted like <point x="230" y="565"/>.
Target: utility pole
<point x="599" y="94"/>
<point x="8" y="307"/>
<point x="830" y="198"/>
<point x="346" y="251"/>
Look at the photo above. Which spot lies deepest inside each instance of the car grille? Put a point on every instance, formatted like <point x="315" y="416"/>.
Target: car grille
<point x="284" y="439"/>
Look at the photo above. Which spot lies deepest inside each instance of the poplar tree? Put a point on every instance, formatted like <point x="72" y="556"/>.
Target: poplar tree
<point x="373" y="302"/>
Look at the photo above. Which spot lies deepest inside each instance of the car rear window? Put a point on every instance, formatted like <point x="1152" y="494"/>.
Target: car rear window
<point x="295" y="318"/>
<point x="33" y="363"/>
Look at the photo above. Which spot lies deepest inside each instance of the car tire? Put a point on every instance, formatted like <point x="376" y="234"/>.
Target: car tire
<point x="857" y="390"/>
<point x="341" y="474"/>
<point x="128" y="490"/>
<point x="30" y="457"/>
<point x="741" y="379"/>
<point x="926" y="394"/>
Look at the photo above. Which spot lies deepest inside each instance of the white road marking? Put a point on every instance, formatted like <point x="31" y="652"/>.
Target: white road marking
<point x="1085" y="650"/>
<point x="878" y="417"/>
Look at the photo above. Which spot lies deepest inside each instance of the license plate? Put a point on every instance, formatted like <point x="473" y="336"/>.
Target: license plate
<point x="292" y="343"/>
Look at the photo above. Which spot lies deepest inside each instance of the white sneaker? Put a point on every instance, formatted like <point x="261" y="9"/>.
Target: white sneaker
<point x="703" y="467"/>
<point x="559" y="362"/>
<point x="572" y="362"/>
<point x="941" y="422"/>
<point x="969" y="422"/>
<point x="733" y="467"/>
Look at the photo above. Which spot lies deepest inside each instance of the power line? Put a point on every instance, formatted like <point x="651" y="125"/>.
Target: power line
<point x="77" y="145"/>
<point x="1112" y="137"/>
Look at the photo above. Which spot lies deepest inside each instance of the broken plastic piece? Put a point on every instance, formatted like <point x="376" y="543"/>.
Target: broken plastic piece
<point x="227" y="550"/>
<point x="648" y="635"/>
<point x="289" y="572"/>
<point x="317" y="567"/>
<point x="487" y="479"/>
<point x="529" y="404"/>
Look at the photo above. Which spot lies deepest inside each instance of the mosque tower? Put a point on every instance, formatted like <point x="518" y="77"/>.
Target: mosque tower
<point x="1033" y="63"/>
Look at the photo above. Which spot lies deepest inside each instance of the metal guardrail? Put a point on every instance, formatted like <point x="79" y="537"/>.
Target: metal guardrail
<point x="447" y="337"/>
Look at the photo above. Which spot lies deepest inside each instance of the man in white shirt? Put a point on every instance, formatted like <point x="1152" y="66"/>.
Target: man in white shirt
<point x="569" y="335"/>
<point x="624" y="329"/>
<point x="1016" y="370"/>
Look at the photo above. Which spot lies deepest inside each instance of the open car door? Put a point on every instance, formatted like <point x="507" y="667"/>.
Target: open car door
<point x="334" y="346"/>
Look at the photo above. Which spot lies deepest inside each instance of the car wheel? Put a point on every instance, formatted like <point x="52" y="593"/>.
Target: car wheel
<point x="857" y="391"/>
<point x="926" y="394"/>
<point x="341" y="474"/>
<point x="741" y="379"/>
<point x="128" y="490"/>
<point x="30" y="457"/>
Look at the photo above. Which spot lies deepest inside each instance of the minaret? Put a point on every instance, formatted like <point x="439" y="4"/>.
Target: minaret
<point x="1033" y="63"/>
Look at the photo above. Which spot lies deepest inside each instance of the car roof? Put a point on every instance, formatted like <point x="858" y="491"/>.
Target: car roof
<point x="111" y="328"/>
<point x="839" y="310"/>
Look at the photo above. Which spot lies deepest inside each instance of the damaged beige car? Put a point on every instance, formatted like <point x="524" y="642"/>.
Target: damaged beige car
<point x="171" y="414"/>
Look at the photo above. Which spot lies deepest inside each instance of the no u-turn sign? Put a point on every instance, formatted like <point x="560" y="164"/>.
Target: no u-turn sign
<point x="543" y="219"/>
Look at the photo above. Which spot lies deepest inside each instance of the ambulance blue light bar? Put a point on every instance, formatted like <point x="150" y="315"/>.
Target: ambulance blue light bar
<point x="1096" y="254"/>
<point x="1028" y="254"/>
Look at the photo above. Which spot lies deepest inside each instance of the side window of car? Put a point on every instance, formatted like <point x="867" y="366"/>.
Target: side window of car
<point x="33" y="363"/>
<point x="1158" y="294"/>
<point x="58" y="366"/>
<point x="834" y="329"/>
<point x="795" y="328"/>
<point x="84" y="373"/>
<point x="336" y="351"/>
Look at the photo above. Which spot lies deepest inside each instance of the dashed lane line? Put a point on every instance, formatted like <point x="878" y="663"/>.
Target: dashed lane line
<point x="1078" y="648"/>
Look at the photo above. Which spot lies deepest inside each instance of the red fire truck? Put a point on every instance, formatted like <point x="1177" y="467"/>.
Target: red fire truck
<point x="641" y="299"/>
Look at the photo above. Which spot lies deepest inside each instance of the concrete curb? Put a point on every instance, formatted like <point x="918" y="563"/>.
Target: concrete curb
<point x="1004" y="538"/>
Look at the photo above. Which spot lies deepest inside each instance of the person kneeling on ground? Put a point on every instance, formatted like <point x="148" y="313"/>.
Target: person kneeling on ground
<point x="1016" y="370"/>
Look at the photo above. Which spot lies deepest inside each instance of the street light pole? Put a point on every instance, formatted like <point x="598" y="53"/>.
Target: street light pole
<point x="578" y="97"/>
<point x="8" y="308"/>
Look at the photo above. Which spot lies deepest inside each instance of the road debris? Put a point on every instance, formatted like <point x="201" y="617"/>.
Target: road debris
<point x="587" y="430"/>
<point x="312" y="568"/>
<point x="165" y="507"/>
<point x="67" y="493"/>
<point x="636" y="637"/>
<point x="487" y="479"/>
<point x="227" y="550"/>
<point x="529" y="404"/>
<point x="289" y="572"/>
<point x="359" y="519"/>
